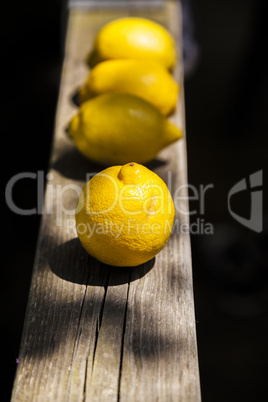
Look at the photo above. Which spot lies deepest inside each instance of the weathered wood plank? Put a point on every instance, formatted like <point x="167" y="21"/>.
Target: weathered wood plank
<point x="95" y="333"/>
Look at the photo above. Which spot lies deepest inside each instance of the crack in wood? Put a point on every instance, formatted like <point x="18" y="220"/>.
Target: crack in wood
<point x="122" y="343"/>
<point x="99" y="321"/>
<point x="78" y="333"/>
<point x="85" y="381"/>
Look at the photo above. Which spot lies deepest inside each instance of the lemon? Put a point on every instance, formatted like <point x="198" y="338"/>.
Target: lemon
<point x="147" y="79"/>
<point x="117" y="128"/>
<point x="134" y="38"/>
<point x="124" y="215"/>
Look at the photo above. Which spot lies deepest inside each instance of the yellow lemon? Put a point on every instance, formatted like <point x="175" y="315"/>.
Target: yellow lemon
<point x="124" y="215"/>
<point x="117" y="128"/>
<point x="147" y="79"/>
<point x="134" y="38"/>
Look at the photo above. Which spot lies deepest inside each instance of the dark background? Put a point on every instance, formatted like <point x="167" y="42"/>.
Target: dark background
<point x="226" y="117"/>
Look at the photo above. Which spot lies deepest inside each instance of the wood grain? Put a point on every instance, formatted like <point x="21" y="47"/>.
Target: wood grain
<point x="93" y="332"/>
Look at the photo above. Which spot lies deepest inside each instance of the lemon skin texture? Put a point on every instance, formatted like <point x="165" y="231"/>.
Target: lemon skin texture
<point x="115" y="128"/>
<point x="147" y="79"/>
<point x="124" y="215"/>
<point x="135" y="38"/>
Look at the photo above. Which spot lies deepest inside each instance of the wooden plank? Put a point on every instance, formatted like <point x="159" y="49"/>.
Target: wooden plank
<point x="95" y="333"/>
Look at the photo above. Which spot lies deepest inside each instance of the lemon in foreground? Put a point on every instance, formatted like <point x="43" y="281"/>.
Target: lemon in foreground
<point x="147" y="79"/>
<point x="115" y="128"/>
<point x="134" y="38"/>
<point x="124" y="215"/>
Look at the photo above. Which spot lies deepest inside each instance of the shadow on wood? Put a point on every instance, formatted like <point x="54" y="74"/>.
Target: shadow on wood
<point x="77" y="266"/>
<point x="75" y="166"/>
<point x="75" y="98"/>
<point x="92" y="59"/>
